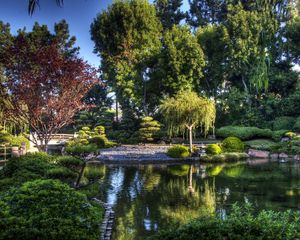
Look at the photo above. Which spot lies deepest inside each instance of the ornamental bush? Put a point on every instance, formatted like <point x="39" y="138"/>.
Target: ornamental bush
<point x="233" y="144"/>
<point x="241" y="223"/>
<point x="50" y="210"/>
<point x="213" y="149"/>
<point x="277" y="135"/>
<point x="178" y="151"/>
<point x="243" y="133"/>
<point x="80" y="149"/>
<point x="99" y="140"/>
<point x="148" y="128"/>
<point x="282" y="123"/>
<point x="70" y="162"/>
<point x="296" y="126"/>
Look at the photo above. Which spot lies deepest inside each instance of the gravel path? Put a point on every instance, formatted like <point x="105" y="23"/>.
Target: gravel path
<point x="127" y="153"/>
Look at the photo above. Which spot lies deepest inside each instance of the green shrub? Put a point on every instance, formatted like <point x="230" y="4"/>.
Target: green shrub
<point x="290" y="134"/>
<point x="225" y="157"/>
<point x="178" y="151"/>
<point x="233" y="144"/>
<point x="148" y="128"/>
<point x="99" y="130"/>
<point x="296" y="126"/>
<point x="14" y="140"/>
<point x="260" y="144"/>
<point x="290" y="147"/>
<point x="61" y="173"/>
<point x="28" y="167"/>
<point x="282" y="123"/>
<point x="243" y="133"/>
<point x="219" y="158"/>
<point x="48" y="209"/>
<point x="99" y="140"/>
<point x="80" y="149"/>
<point x="241" y="223"/>
<point x="231" y="156"/>
<point x="213" y="149"/>
<point x="277" y="135"/>
<point x="70" y="162"/>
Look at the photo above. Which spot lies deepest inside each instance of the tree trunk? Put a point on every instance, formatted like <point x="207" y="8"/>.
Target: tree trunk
<point x="190" y="128"/>
<point x="80" y="174"/>
<point x="117" y="110"/>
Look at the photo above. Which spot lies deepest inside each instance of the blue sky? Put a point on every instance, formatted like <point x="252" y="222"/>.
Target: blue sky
<point x="78" y="13"/>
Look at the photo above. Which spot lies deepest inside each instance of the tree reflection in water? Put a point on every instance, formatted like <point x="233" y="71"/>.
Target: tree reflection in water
<point x="150" y="198"/>
<point x="154" y="198"/>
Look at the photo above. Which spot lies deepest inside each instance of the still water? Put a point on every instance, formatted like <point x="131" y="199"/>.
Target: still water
<point x="147" y="198"/>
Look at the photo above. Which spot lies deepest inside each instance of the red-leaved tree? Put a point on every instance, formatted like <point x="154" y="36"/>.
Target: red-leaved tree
<point x="45" y="87"/>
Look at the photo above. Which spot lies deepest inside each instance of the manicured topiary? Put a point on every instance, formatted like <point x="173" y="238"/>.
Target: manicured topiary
<point x="213" y="149"/>
<point x="233" y="144"/>
<point x="48" y="209"/>
<point x="243" y="133"/>
<point x="99" y="130"/>
<point x="149" y="127"/>
<point x="178" y="151"/>
<point x="282" y="123"/>
<point x="99" y="140"/>
<point x="80" y="149"/>
<point x="70" y="162"/>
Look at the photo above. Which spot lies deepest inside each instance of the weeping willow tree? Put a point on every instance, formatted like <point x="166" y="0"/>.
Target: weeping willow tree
<point x="188" y="111"/>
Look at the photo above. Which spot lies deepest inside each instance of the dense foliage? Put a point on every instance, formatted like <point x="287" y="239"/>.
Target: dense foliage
<point x="178" y="151"/>
<point x="244" y="133"/>
<point x="30" y="86"/>
<point x="242" y="223"/>
<point x="45" y="209"/>
<point x="233" y="144"/>
<point x="248" y="69"/>
<point x="213" y="149"/>
<point x="187" y="111"/>
<point x="149" y="127"/>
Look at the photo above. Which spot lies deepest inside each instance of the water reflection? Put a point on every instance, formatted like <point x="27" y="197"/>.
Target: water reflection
<point x="148" y="198"/>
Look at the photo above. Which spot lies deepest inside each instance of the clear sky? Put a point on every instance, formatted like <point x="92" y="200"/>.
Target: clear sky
<point x="79" y="14"/>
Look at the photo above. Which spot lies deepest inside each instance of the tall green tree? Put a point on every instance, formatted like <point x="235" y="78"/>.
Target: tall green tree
<point x="204" y="12"/>
<point x="214" y="40"/>
<point x="293" y="37"/>
<point x="182" y="61"/>
<point x="169" y="12"/>
<point x="187" y="110"/>
<point x="127" y="37"/>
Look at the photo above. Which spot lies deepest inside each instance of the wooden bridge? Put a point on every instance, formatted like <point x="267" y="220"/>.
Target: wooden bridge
<point x="56" y="142"/>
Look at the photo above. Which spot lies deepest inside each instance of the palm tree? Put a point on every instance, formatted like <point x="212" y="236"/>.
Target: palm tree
<point x="32" y="4"/>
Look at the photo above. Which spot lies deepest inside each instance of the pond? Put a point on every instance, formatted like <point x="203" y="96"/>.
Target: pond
<point x="147" y="198"/>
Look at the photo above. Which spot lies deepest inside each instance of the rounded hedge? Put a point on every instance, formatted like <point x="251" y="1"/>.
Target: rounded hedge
<point x="284" y="123"/>
<point x="233" y="144"/>
<point x="48" y="209"/>
<point x="244" y="133"/>
<point x="178" y="151"/>
<point x="213" y="149"/>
